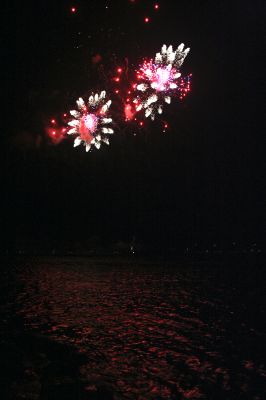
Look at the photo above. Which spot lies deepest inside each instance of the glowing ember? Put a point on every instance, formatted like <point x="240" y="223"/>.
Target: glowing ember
<point x="56" y="130"/>
<point x="129" y="112"/>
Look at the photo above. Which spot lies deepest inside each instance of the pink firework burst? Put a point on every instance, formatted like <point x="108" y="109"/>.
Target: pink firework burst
<point x="159" y="79"/>
<point x="91" y="122"/>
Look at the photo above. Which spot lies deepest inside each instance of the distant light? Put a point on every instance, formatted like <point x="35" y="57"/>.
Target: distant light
<point x="117" y="79"/>
<point x="53" y="121"/>
<point x="73" y="9"/>
<point x="65" y="115"/>
<point x="119" y="70"/>
<point x="146" y="19"/>
<point x="156" y="6"/>
<point x="141" y="123"/>
<point x="116" y="91"/>
<point x="53" y="132"/>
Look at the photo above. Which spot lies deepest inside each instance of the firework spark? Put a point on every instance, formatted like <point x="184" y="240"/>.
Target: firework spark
<point x="168" y="56"/>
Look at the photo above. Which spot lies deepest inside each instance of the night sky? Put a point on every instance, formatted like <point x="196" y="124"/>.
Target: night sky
<point x="200" y="181"/>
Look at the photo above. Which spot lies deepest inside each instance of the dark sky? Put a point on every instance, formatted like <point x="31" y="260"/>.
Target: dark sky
<point x="201" y="181"/>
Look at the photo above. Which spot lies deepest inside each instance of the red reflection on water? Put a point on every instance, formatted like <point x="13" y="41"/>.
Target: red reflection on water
<point x="148" y="333"/>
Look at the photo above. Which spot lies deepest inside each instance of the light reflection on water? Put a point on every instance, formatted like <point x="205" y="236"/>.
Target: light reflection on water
<point x="148" y="331"/>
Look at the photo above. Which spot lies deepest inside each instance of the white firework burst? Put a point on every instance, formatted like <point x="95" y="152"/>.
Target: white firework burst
<point x="159" y="79"/>
<point x="91" y="122"/>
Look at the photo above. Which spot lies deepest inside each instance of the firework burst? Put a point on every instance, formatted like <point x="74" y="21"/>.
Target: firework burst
<point x="160" y="79"/>
<point x="91" y="122"/>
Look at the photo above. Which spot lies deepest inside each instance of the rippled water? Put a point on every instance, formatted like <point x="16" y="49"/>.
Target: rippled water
<point x="152" y="331"/>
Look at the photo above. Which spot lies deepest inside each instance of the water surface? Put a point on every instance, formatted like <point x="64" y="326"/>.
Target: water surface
<point x="152" y="330"/>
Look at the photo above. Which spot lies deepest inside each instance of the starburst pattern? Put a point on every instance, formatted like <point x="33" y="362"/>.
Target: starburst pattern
<point x="159" y="79"/>
<point x="91" y="122"/>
